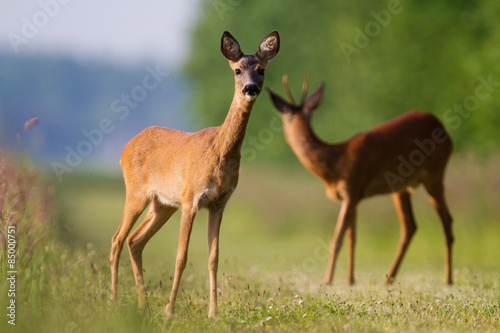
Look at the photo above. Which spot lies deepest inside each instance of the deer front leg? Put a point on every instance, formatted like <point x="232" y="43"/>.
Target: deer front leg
<point x="214" y="221"/>
<point x="188" y="214"/>
<point x="346" y="219"/>
<point x="351" y="233"/>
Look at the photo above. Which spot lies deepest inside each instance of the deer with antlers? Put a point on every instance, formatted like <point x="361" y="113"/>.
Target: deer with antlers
<point x="169" y="169"/>
<point x="394" y="158"/>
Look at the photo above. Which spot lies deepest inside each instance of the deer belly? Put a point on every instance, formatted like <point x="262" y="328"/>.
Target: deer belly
<point x="167" y="190"/>
<point x="172" y="201"/>
<point x="391" y="183"/>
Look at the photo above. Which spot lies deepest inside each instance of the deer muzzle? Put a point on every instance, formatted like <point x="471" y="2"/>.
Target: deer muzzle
<point x="251" y="91"/>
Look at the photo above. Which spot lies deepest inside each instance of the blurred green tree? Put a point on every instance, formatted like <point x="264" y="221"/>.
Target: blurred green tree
<point x="378" y="60"/>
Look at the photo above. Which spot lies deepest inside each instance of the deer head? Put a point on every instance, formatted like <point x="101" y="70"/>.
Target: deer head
<point x="290" y="110"/>
<point x="249" y="69"/>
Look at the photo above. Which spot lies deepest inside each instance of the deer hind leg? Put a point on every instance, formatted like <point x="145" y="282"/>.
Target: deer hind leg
<point x="436" y="193"/>
<point x="407" y="230"/>
<point x="346" y="219"/>
<point x="134" y="206"/>
<point x="156" y="217"/>
<point x="188" y="215"/>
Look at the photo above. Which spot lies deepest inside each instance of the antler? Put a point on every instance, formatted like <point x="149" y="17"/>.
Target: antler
<point x="287" y="90"/>
<point x="304" y="89"/>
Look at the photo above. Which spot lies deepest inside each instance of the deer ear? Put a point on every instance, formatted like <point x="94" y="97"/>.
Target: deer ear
<point x="230" y="48"/>
<point x="313" y="101"/>
<point x="279" y="103"/>
<point x="269" y="47"/>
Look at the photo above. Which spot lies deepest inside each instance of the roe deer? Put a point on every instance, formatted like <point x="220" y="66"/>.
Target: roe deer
<point x="168" y="169"/>
<point x="391" y="158"/>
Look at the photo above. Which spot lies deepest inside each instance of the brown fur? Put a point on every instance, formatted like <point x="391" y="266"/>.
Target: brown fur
<point x="168" y="169"/>
<point x="373" y="163"/>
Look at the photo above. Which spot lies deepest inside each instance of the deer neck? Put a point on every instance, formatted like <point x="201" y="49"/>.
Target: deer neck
<point x="317" y="156"/>
<point x="232" y="131"/>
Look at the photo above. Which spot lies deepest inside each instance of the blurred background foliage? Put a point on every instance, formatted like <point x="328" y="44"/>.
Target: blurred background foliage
<point x="378" y="60"/>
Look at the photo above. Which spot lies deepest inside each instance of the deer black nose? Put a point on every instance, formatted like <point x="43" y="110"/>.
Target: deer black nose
<point x="251" y="89"/>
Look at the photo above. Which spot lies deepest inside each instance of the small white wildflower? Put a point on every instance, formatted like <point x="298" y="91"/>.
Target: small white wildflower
<point x="270" y="299"/>
<point x="301" y="302"/>
<point x="297" y="296"/>
<point x="269" y="318"/>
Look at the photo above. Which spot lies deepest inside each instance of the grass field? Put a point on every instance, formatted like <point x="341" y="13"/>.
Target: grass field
<point x="274" y="238"/>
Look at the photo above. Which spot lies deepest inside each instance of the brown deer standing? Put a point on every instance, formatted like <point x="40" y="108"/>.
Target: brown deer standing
<point x="169" y="169"/>
<point x="392" y="158"/>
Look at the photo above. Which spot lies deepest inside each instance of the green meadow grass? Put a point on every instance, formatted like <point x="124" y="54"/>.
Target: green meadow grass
<point x="273" y="253"/>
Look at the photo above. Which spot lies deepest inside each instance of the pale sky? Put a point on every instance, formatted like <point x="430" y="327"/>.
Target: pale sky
<point x="122" y="31"/>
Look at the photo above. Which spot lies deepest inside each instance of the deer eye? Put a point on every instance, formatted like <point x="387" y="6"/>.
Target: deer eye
<point x="237" y="71"/>
<point x="260" y="71"/>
